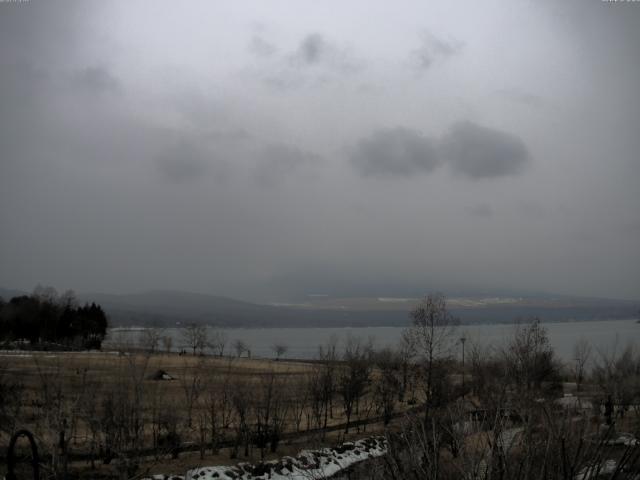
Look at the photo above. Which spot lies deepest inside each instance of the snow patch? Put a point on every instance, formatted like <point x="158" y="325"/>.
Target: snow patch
<point x="607" y="468"/>
<point x="309" y="464"/>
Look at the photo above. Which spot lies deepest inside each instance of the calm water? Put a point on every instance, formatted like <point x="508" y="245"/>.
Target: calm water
<point x="303" y="342"/>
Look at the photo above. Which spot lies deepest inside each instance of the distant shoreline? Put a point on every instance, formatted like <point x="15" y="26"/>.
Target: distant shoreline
<point x="137" y="328"/>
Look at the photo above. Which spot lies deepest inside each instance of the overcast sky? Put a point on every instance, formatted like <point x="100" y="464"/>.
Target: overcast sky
<point x="273" y="149"/>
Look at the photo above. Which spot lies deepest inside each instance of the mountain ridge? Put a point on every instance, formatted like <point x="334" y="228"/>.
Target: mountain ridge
<point x="161" y="307"/>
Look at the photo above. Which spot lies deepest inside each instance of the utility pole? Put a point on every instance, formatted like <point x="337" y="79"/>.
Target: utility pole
<point x="463" y="339"/>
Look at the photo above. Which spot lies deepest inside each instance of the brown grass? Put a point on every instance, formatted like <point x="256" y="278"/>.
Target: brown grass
<point x="88" y="378"/>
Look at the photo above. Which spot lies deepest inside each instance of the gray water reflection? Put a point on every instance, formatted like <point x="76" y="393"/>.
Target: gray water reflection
<point x="303" y="342"/>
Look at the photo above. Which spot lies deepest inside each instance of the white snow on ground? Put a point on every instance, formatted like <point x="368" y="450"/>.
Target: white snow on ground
<point x="623" y="438"/>
<point x="607" y="468"/>
<point x="571" y="402"/>
<point x="308" y="465"/>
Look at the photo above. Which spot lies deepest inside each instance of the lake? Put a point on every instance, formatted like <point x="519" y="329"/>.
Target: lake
<point x="303" y="342"/>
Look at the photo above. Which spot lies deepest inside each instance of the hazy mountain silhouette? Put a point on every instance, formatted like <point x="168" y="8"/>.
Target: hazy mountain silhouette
<point x="171" y="308"/>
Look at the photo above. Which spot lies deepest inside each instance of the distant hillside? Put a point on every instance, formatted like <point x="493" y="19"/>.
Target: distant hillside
<point x="170" y="308"/>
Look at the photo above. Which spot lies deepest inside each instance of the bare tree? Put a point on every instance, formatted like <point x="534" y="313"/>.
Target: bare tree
<point x="55" y="411"/>
<point x="489" y="377"/>
<point x="387" y="383"/>
<point x="122" y="413"/>
<point x="323" y="386"/>
<point x="581" y="356"/>
<point x="68" y="299"/>
<point x="405" y="353"/>
<point x="218" y="342"/>
<point x="353" y="376"/>
<point x="167" y="343"/>
<point x="530" y="358"/>
<point x="191" y="381"/>
<point x="618" y="375"/>
<point x="240" y="347"/>
<point x="541" y="442"/>
<point x="218" y="406"/>
<point x="317" y="393"/>
<point x="269" y="411"/>
<point x="88" y="413"/>
<point x="279" y="349"/>
<point x="149" y="339"/>
<point x="45" y="294"/>
<point x="299" y="396"/>
<point x="241" y="401"/>
<point x="432" y="334"/>
<point x="195" y="336"/>
<point x="169" y="431"/>
<point x="278" y="417"/>
<point x="11" y="390"/>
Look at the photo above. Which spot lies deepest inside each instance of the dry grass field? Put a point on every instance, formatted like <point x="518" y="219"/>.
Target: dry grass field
<point x="101" y="411"/>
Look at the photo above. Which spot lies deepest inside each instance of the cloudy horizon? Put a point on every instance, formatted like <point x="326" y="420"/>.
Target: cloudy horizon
<point x="268" y="150"/>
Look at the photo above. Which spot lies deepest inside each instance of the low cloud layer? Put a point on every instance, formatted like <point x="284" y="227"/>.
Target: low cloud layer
<point x="477" y="152"/>
<point x="315" y="60"/>
<point x="470" y="150"/>
<point x="399" y="152"/>
<point x="316" y="50"/>
<point x="313" y="49"/>
<point x="260" y="150"/>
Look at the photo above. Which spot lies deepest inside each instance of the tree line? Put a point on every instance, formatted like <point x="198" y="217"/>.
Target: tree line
<point x="512" y="418"/>
<point x="50" y="320"/>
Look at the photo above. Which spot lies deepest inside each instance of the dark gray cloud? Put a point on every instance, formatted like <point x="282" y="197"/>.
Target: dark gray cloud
<point x="312" y="49"/>
<point x="471" y="150"/>
<point x="279" y="161"/>
<point x="434" y="49"/>
<point x="261" y="47"/>
<point x="316" y="51"/>
<point x="182" y="162"/>
<point x="477" y="152"/>
<point x="315" y="61"/>
<point x="482" y="210"/>
<point x="395" y="152"/>
<point x="97" y="80"/>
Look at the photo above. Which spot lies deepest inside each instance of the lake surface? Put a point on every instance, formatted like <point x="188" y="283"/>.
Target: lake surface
<point x="303" y="342"/>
